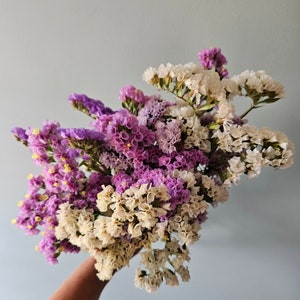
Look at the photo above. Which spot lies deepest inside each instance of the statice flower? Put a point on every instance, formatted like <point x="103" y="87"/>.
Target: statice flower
<point x="142" y="179"/>
<point x="168" y="135"/>
<point x="260" y="87"/>
<point x="20" y="134"/>
<point x="184" y="160"/>
<point x="152" y="111"/>
<point x="61" y="180"/>
<point x="132" y="93"/>
<point x="213" y="58"/>
<point x="114" y="161"/>
<point x="81" y="134"/>
<point x="125" y="134"/>
<point x="93" y="108"/>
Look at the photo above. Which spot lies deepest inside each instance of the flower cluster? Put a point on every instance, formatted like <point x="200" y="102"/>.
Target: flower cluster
<point x="141" y="178"/>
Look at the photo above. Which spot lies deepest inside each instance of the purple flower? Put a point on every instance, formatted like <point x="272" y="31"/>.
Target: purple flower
<point x="206" y="119"/>
<point x="80" y="134"/>
<point x="168" y="134"/>
<point x="132" y="93"/>
<point x="202" y="217"/>
<point x="93" y="186"/>
<point x="176" y="188"/>
<point x="184" y="160"/>
<point x="218" y="163"/>
<point x="123" y="133"/>
<point x="20" y="134"/>
<point x="68" y="247"/>
<point x="114" y="160"/>
<point x="47" y="247"/>
<point x="153" y="111"/>
<point x="94" y="108"/>
<point x="213" y="58"/>
<point x="122" y="181"/>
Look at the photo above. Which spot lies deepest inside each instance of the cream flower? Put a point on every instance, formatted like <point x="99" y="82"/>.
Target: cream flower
<point x="163" y="70"/>
<point x="149" y="74"/>
<point x="225" y="110"/>
<point x="236" y="169"/>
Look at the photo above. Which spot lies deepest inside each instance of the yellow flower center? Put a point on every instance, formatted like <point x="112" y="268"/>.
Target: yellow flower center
<point x="35" y="156"/>
<point x="43" y="197"/>
<point x="67" y="168"/>
<point x="51" y="170"/>
<point x="35" y="131"/>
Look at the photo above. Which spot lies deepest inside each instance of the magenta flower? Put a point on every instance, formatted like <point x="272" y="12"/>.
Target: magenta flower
<point x="124" y="133"/>
<point x="20" y="134"/>
<point x="132" y="93"/>
<point x="152" y="111"/>
<point x="88" y="105"/>
<point x="213" y="58"/>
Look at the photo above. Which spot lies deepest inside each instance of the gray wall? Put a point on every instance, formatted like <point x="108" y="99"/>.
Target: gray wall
<point x="250" y="245"/>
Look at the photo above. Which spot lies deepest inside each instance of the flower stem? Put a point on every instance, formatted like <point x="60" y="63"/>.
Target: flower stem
<point x="247" y="111"/>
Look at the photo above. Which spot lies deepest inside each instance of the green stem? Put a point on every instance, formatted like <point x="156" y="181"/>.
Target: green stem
<point x="173" y="92"/>
<point x="247" y="111"/>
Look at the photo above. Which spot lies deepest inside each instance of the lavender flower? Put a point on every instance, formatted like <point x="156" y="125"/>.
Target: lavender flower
<point x="132" y="93"/>
<point x="93" y="108"/>
<point x="152" y="111"/>
<point x="124" y="133"/>
<point x="122" y="181"/>
<point x="213" y="58"/>
<point x="80" y="134"/>
<point x="184" y="160"/>
<point x="20" y="134"/>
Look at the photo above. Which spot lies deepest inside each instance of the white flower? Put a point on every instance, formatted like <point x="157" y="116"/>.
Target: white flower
<point x="254" y="82"/>
<point x="163" y="70"/>
<point x="236" y="169"/>
<point x="149" y="74"/>
<point x="184" y="273"/>
<point x="279" y="159"/>
<point x="170" y="277"/>
<point x="85" y="221"/>
<point x="100" y="230"/>
<point x="193" y="68"/>
<point x="250" y="79"/>
<point x="180" y="73"/>
<point x="160" y="230"/>
<point x="149" y="283"/>
<point x="224" y="140"/>
<point x="254" y="162"/>
<point x="104" y="265"/>
<point x="270" y="84"/>
<point x="193" y="82"/>
<point x="146" y="218"/>
<point x="134" y="230"/>
<point x="104" y="198"/>
<point x="225" y="110"/>
<point x="260" y="81"/>
<point x="231" y="87"/>
<point x="277" y="87"/>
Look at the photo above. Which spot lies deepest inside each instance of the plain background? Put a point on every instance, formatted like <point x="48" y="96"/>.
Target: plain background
<point x="250" y="246"/>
